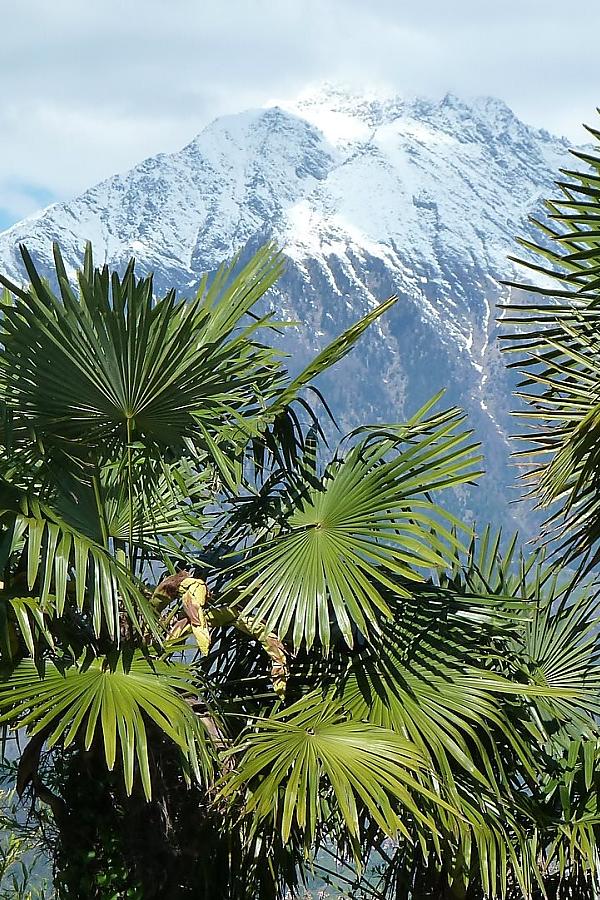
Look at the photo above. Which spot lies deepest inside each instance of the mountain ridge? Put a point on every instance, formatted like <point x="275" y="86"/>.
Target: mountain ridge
<point x="367" y="196"/>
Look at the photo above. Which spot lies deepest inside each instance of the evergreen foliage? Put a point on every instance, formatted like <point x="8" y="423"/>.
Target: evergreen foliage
<point x="236" y="651"/>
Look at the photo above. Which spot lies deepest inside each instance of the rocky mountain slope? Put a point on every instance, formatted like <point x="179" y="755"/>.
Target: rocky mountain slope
<point x="367" y="196"/>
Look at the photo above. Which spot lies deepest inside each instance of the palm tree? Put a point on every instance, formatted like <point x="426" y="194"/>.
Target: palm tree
<point x="232" y="649"/>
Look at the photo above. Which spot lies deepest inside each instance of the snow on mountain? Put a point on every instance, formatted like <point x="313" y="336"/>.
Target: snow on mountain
<point x="367" y="195"/>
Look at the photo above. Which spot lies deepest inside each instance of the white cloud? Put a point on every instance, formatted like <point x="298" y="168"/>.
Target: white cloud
<point x="88" y="89"/>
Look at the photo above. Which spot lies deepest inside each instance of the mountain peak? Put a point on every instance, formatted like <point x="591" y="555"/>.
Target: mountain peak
<point x="343" y="97"/>
<point x="336" y="166"/>
<point x="343" y="113"/>
<point x="346" y="115"/>
<point x="368" y="193"/>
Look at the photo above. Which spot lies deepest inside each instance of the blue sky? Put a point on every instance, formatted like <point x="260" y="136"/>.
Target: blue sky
<point x="22" y="196"/>
<point x="89" y="89"/>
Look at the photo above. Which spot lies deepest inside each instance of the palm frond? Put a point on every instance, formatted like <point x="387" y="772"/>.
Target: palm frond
<point x="554" y="342"/>
<point x="58" y="562"/>
<point x="112" y="363"/>
<point x="291" y="762"/>
<point x="32" y="622"/>
<point x="109" y="700"/>
<point x="561" y="649"/>
<point x="367" y="523"/>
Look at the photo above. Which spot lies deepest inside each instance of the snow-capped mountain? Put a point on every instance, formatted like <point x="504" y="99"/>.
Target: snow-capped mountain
<point x="367" y="195"/>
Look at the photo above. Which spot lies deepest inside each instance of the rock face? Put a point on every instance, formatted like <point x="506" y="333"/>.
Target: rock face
<point x="367" y="196"/>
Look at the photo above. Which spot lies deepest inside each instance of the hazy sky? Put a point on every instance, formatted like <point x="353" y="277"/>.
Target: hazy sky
<point x="90" y="88"/>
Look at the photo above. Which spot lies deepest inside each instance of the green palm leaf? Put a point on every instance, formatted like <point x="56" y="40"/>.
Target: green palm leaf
<point x="561" y="650"/>
<point x="57" y="557"/>
<point x="554" y="342"/>
<point x="290" y="762"/>
<point x="113" y="363"/>
<point x="32" y="621"/>
<point x="368" y="523"/>
<point x="113" y="700"/>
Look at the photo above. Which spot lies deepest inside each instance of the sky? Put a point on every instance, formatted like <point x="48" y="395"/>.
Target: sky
<point x="89" y="89"/>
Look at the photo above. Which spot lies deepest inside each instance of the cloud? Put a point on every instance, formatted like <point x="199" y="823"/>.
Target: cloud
<point x="90" y="89"/>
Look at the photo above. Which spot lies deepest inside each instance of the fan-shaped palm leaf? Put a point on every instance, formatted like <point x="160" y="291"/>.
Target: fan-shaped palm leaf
<point x="112" y="362"/>
<point x="561" y="649"/>
<point x="348" y="537"/>
<point x="112" y="698"/>
<point x="291" y="761"/>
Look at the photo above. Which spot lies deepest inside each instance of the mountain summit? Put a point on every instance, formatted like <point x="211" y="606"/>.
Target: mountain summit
<point x="367" y="195"/>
